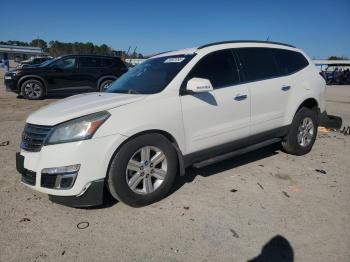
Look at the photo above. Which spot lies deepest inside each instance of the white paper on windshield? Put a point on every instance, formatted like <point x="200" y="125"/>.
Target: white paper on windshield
<point x="174" y="60"/>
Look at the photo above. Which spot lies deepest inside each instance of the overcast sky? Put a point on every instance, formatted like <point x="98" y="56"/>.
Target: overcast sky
<point x="321" y="28"/>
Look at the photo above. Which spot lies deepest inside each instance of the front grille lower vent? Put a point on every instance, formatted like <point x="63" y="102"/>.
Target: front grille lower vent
<point x="33" y="137"/>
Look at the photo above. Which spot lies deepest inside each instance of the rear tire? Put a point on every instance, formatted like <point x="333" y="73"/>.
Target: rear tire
<point x="302" y="133"/>
<point x="33" y="90"/>
<point x="105" y="84"/>
<point x="136" y="177"/>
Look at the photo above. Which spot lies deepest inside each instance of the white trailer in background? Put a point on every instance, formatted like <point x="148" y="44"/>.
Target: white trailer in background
<point x="324" y="64"/>
<point x="134" y="62"/>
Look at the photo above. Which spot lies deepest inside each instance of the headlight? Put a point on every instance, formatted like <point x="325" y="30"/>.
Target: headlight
<point x="77" y="129"/>
<point x="16" y="72"/>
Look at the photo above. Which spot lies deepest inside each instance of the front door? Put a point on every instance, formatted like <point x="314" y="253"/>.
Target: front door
<point x="63" y="75"/>
<point x="217" y="117"/>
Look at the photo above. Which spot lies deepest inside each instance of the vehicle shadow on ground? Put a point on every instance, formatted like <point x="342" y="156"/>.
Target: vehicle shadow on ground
<point x="59" y="96"/>
<point x="228" y="164"/>
<point x="276" y="250"/>
<point x="213" y="169"/>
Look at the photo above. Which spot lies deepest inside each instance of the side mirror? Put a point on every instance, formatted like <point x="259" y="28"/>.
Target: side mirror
<point x="199" y="85"/>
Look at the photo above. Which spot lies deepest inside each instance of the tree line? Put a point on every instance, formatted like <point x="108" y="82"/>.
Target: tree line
<point x="57" y="48"/>
<point x="333" y="57"/>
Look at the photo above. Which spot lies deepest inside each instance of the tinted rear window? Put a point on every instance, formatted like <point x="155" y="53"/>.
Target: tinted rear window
<point x="289" y="61"/>
<point x="258" y="63"/>
<point x="107" y="62"/>
<point x="219" y="67"/>
<point x="87" y="62"/>
<point x="115" y="62"/>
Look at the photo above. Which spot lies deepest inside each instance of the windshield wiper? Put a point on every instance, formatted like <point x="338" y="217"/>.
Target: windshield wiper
<point x="129" y="91"/>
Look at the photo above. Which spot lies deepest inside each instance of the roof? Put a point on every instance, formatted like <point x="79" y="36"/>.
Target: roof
<point x="92" y="55"/>
<point x="195" y="49"/>
<point x="20" y="49"/>
<point x="332" y="62"/>
<point x="244" y="41"/>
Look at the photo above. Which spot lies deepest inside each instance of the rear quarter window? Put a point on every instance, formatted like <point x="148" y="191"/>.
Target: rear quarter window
<point x="289" y="61"/>
<point x="107" y="62"/>
<point x="112" y="62"/>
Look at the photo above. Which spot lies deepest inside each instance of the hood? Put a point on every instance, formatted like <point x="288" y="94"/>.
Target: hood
<point x="35" y="67"/>
<point x="80" y="105"/>
<point x="25" y="61"/>
<point x="30" y="65"/>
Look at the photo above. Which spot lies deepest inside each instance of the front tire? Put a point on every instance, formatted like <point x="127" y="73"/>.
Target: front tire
<point x="143" y="171"/>
<point x="302" y="133"/>
<point x="33" y="89"/>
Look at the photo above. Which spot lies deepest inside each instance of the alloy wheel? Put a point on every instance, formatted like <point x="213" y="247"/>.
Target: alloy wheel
<point x="305" y="132"/>
<point x="32" y="90"/>
<point x="146" y="170"/>
<point x="106" y="85"/>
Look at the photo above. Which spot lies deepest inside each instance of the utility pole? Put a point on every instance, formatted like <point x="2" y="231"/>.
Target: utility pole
<point x="134" y="53"/>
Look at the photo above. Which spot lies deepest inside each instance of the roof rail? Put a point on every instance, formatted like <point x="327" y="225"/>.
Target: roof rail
<point x="244" y="41"/>
<point x="162" y="53"/>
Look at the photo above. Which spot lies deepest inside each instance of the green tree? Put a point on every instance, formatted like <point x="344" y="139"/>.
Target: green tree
<point x="56" y="48"/>
<point x="39" y="43"/>
<point x="14" y="42"/>
<point x="333" y="57"/>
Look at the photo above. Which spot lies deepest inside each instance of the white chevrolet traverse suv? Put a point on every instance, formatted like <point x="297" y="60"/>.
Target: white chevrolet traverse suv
<point x="181" y="108"/>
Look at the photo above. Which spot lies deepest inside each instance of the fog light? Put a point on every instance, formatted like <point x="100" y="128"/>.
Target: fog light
<point x="61" y="170"/>
<point x="66" y="182"/>
<point x="59" y="177"/>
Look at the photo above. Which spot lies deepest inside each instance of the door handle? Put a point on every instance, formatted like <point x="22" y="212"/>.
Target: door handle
<point x="240" y="97"/>
<point x="285" y="88"/>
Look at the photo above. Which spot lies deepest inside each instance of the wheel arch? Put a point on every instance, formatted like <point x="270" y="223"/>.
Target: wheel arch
<point x="167" y="135"/>
<point x="30" y="77"/>
<point x="308" y="102"/>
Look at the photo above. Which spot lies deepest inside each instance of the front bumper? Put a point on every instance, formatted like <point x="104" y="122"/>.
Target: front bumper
<point x="11" y="83"/>
<point x="93" y="155"/>
<point x="93" y="196"/>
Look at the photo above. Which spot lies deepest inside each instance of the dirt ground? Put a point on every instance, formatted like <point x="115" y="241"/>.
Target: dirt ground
<point x="263" y="205"/>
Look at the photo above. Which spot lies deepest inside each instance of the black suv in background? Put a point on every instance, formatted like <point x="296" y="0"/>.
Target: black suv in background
<point x="63" y="75"/>
<point x="34" y="61"/>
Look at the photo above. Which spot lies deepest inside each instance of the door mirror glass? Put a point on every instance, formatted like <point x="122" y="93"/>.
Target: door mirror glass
<point x="199" y="85"/>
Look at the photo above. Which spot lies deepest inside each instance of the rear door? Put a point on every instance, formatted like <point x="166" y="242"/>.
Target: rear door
<point x="221" y="116"/>
<point x="114" y="66"/>
<point x="269" y="92"/>
<point x="90" y="70"/>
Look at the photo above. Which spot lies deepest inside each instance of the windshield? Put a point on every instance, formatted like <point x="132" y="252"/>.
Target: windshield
<point x="47" y="62"/>
<point x="150" y="77"/>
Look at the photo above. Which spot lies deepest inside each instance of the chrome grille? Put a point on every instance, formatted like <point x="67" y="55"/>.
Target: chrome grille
<point x="33" y="137"/>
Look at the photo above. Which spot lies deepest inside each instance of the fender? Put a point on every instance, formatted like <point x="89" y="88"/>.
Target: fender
<point x="21" y="80"/>
<point x="104" y="78"/>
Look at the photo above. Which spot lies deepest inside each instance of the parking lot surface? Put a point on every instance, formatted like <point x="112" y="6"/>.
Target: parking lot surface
<point x="265" y="204"/>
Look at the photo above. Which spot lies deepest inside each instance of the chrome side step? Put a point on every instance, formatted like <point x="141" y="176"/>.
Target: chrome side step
<point x="235" y="153"/>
